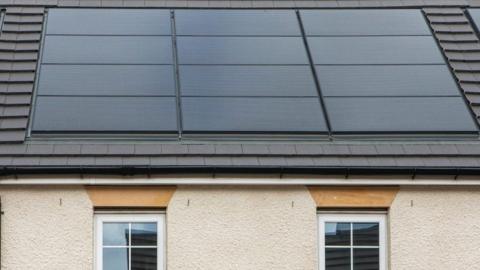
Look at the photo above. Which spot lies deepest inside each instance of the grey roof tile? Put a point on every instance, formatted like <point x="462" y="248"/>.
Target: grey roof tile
<point x="53" y="161"/>
<point x="148" y="149"/>
<point x="5" y="161"/>
<point x="108" y="161"/>
<point x="90" y="3"/>
<point x="443" y="149"/>
<point x="40" y="149"/>
<point x="327" y="3"/>
<point x="163" y="161"/>
<point x="336" y="149"/>
<point x="282" y="149"/>
<point x="381" y="161"/>
<point x="256" y="149"/>
<point x="468" y="149"/>
<point x="155" y="3"/>
<point x="409" y="161"/>
<point x="464" y="161"/>
<point x="300" y="161"/>
<point x="308" y="149"/>
<point x="176" y="149"/>
<point x="136" y="161"/>
<point x="190" y="161"/>
<point x="245" y="161"/>
<point x="362" y="149"/>
<point x="12" y="136"/>
<point x="389" y="149"/>
<point x="218" y="161"/>
<point x="202" y="149"/>
<point x="25" y="161"/>
<point x="272" y="161"/>
<point x="231" y="149"/>
<point x="326" y="161"/>
<point x="354" y="161"/>
<point x="69" y="3"/>
<point x="437" y="162"/>
<point x="134" y="3"/>
<point x="94" y="149"/>
<point x="12" y="149"/>
<point x="121" y="149"/>
<point x="67" y="149"/>
<point x="417" y="149"/>
<point x="80" y="161"/>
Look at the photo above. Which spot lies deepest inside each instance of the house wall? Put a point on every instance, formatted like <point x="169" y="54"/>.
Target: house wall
<point x="238" y="227"/>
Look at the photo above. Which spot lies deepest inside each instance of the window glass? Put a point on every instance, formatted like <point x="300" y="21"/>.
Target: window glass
<point x="352" y="242"/>
<point x="129" y="242"/>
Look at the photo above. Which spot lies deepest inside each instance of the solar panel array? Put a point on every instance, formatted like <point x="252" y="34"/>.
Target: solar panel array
<point x="245" y="72"/>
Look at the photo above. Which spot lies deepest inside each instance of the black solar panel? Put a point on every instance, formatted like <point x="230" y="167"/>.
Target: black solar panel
<point x="201" y="80"/>
<point x="399" y="114"/>
<point x="217" y="114"/>
<point x="105" y="114"/>
<point x="381" y="71"/>
<point x="108" y="22"/>
<point x="241" y="50"/>
<point x="364" y="22"/>
<point x="237" y="22"/>
<point x="110" y="80"/>
<point x="108" y="50"/>
<point x="214" y="72"/>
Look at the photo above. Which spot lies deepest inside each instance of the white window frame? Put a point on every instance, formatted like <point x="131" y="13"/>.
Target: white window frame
<point x="158" y="218"/>
<point x="354" y="218"/>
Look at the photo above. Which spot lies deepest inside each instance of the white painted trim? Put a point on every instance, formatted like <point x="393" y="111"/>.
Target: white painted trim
<point x="131" y="217"/>
<point x="359" y="217"/>
<point x="55" y="180"/>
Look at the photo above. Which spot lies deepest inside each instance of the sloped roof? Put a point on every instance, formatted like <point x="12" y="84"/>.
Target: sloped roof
<point x="19" y="45"/>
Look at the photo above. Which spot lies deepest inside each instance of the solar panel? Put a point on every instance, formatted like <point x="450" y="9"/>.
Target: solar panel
<point x="386" y="80"/>
<point x="245" y="72"/>
<point x="218" y="114"/>
<point x="200" y="80"/>
<point x="109" y="80"/>
<point x="108" y="50"/>
<point x="237" y="22"/>
<point x="399" y="114"/>
<point x="381" y="71"/>
<point x="113" y="73"/>
<point x="375" y="50"/>
<point x="241" y="50"/>
<point x="105" y="114"/>
<point x="364" y="22"/>
<point x="108" y="22"/>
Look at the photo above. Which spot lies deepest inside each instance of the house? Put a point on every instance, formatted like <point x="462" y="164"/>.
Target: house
<point x="192" y="134"/>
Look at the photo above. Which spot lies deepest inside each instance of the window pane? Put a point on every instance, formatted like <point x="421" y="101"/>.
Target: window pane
<point x="144" y="259"/>
<point x="144" y="234"/>
<point x="365" y="234"/>
<point x="115" y="259"/>
<point x="337" y="234"/>
<point x="366" y="259"/>
<point x="337" y="259"/>
<point x="115" y="234"/>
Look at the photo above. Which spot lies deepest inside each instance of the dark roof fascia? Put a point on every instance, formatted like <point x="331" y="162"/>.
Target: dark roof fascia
<point x="213" y="170"/>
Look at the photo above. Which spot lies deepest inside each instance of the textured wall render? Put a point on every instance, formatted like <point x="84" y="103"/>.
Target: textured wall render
<point x="242" y="228"/>
<point x="40" y="232"/>
<point x="218" y="227"/>
<point x="435" y="229"/>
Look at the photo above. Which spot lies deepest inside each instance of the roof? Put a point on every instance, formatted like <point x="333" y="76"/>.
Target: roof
<point x="19" y="45"/>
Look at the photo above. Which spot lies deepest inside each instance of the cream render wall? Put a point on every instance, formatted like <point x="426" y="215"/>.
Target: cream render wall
<point x="434" y="228"/>
<point x="242" y="228"/>
<point x="239" y="227"/>
<point x="46" y="228"/>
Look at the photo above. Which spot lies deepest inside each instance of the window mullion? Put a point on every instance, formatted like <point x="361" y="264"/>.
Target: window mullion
<point x="129" y="246"/>
<point x="351" y="246"/>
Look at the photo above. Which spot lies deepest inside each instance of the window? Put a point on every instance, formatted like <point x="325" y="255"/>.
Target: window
<point x="352" y="242"/>
<point x="129" y="242"/>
